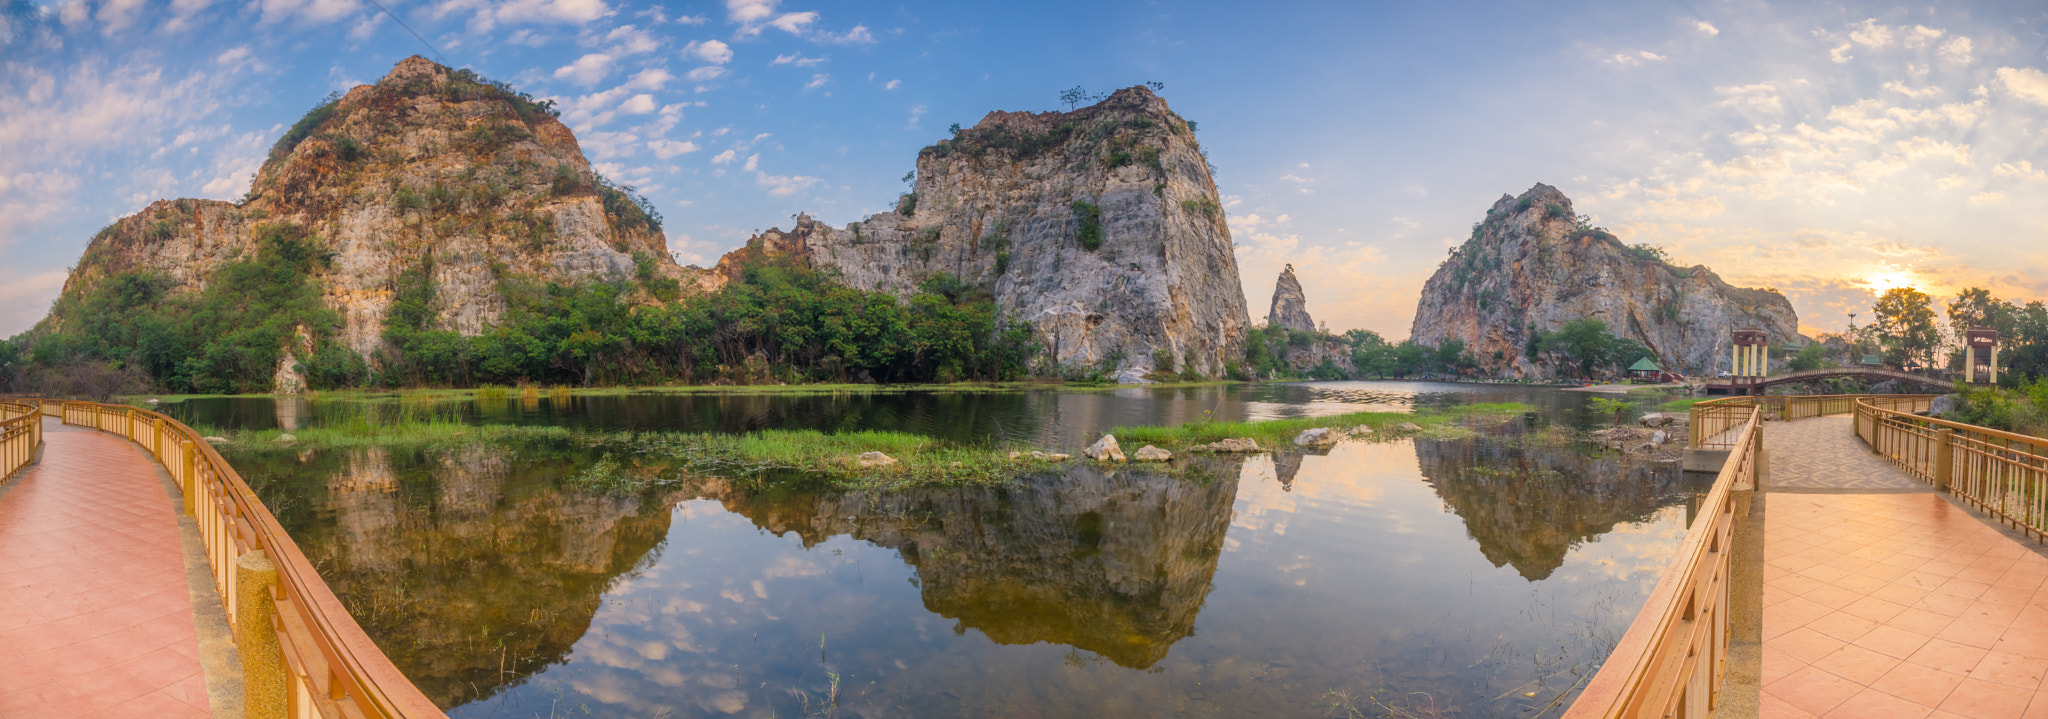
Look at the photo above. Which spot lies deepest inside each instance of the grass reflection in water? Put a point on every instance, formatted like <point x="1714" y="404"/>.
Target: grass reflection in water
<point x="1468" y="576"/>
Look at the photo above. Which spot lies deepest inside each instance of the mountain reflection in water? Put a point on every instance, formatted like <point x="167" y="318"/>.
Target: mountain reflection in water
<point x="1468" y="569"/>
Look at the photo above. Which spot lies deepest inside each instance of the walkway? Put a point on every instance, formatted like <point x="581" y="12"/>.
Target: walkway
<point x="1882" y="599"/>
<point x="96" y="617"/>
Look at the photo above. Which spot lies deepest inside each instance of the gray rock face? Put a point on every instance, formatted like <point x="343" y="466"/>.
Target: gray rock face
<point x="1290" y="306"/>
<point x="1013" y="203"/>
<point x="1530" y="268"/>
<point x="421" y="165"/>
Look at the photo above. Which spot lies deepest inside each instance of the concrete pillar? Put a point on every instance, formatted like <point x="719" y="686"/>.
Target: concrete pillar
<point x="263" y="670"/>
<point x="1735" y="360"/>
<point x="1994" y="364"/>
<point x="1969" y="364"/>
<point x="1763" y="360"/>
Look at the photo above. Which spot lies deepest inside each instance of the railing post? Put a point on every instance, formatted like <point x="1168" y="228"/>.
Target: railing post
<point x="263" y="671"/>
<point x="1944" y="456"/>
<point x="191" y="475"/>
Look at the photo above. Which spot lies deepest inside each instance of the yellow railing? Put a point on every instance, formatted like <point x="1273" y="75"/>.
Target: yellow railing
<point x="1714" y="421"/>
<point x="1669" y="663"/>
<point x="2003" y="473"/>
<point x="21" y="433"/>
<point x="303" y="656"/>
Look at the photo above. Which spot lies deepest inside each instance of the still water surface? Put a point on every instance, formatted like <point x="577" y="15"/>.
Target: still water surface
<point x="1481" y="576"/>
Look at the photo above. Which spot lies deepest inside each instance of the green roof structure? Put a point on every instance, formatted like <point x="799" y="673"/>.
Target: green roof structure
<point x="1872" y="360"/>
<point x="1645" y="365"/>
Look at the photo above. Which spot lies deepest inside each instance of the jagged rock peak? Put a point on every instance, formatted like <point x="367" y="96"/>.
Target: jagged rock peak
<point x="1533" y="264"/>
<point x="1101" y="227"/>
<point x="1290" y="305"/>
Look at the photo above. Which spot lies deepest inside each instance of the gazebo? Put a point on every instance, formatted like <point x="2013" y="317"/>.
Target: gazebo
<point x="1645" y="369"/>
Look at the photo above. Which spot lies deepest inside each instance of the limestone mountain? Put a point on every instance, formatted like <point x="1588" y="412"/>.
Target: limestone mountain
<point x="1531" y="266"/>
<point x="432" y="169"/>
<point x="1290" y="305"/>
<point x="1101" y="227"/>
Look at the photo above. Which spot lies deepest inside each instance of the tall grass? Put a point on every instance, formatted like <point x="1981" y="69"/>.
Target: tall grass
<point x="1278" y="432"/>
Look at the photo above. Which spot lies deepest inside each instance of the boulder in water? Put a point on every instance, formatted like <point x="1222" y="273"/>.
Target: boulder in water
<point x="1234" y="444"/>
<point x="1317" y="437"/>
<point x="1149" y="453"/>
<point x="1105" y="450"/>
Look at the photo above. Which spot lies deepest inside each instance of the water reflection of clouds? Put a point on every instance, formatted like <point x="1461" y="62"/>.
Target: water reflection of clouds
<point x="1634" y="552"/>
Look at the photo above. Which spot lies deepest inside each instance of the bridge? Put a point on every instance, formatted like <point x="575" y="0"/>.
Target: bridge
<point x="1757" y="385"/>
<point x="1856" y="559"/>
<point x="141" y="577"/>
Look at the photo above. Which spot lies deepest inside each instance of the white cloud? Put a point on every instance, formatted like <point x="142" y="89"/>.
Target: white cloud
<point x="1706" y="27"/>
<point x="627" y="40"/>
<point x="916" y="113"/>
<point x="817" y="81"/>
<point x="1987" y="198"/>
<point x="892" y="84"/>
<point x="666" y="149"/>
<point x="724" y="157"/>
<point x="2026" y="83"/>
<point x="711" y="51"/>
<point x="797" y="59"/>
<point x="1761" y="97"/>
<point x="650" y="79"/>
<point x="753" y="163"/>
<point x="707" y="72"/>
<point x="1633" y="59"/>
<point x="2023" y="169"/>
<point x="1900" y="87"/>
<point x="586" y="70"/>
<point x="638" y="105"/>
<point x="488" y="14"/>
<point x="793" y="23"/>
<point x="1841" y="53"/>
<point x="1957" y="50"/>
<point x="784" y="185"/>
<point x="859" y="35"/>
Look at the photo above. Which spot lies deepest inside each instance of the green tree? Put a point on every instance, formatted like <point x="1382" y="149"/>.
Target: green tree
<point x="1583" y="343"/>
<point x="1905" y="326"/>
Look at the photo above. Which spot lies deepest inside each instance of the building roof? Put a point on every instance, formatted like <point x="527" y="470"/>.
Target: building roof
<point x="1872" y="359"/>
<point x="1645" y="365"/>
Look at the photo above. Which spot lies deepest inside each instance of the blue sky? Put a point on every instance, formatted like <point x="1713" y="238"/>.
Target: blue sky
<point x="1829" y="150"/>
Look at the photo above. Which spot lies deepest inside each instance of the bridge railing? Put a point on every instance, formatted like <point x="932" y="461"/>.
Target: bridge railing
<point x="1669" y="663"/>
<point x="2003" y="473"/>
<point x="1713" y="420"/>
<point x="21" y="434"/>
<point x="303" y="655"/>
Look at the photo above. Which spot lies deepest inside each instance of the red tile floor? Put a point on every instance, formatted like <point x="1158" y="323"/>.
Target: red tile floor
<point x="95" y="615"/>
<point x="1898" y="605"/>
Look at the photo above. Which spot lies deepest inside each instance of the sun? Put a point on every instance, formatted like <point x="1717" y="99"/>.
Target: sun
<point x="1886" y="277"/>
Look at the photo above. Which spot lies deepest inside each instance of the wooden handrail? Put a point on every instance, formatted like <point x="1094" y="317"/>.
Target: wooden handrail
<point x="1669" y="662"/>
<point x="21" y="434"/>
<point x="328" y="666"/>
<point x="2003" y="473"/>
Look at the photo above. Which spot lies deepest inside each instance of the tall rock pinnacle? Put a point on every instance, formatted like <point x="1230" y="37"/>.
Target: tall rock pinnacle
<point x="1290" y="306"/>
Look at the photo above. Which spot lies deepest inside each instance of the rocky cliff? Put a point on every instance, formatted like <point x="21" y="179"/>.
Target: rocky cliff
<point x="1290" y="305"/>
<point x="427" y="163"/>
<point x="1101" y="227"/>
<point x="1531" y="266"/>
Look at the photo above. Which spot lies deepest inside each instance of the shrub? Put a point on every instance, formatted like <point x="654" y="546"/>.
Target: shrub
<point x="1118" y="158"/>
<point x="1088" y="225"/>
<point x="1202" y="206"/>
<point x="567" y="181"/>
<point x="305" y="126"/>
<point x="1555" y="211"/>
<point x="1525" y="203"/>
<point x="907" y="205"/>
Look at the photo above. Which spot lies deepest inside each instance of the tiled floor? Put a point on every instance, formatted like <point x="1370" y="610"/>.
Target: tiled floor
<point x="95" y="614"/>
<point x="1895" y="605"/>
<point x="1823" y="453"/>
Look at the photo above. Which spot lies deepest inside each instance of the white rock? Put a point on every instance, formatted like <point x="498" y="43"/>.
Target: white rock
<point x="1149" y="453"/>
<point x="1408" y="427"/>
<point x="869" y="460"/>
<point x="1234" y="444"/>
<point x="1317" y="437"/>
<point x="1105" y="450"/>
<point x="1661" y="437"/>
<point x="215" y="440"/>
<point x="287" y="438"/>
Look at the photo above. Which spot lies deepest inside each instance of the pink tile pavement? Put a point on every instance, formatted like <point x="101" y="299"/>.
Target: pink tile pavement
<point x="95" y="615"/>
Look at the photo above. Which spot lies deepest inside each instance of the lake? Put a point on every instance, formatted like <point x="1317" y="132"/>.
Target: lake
<point x="1484" y="574"/>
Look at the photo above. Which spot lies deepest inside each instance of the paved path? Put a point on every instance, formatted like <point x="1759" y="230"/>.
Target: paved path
<point x="1890" y="603"/>
<point x="96" y="617"/>
<point x="1824" y="453"/>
